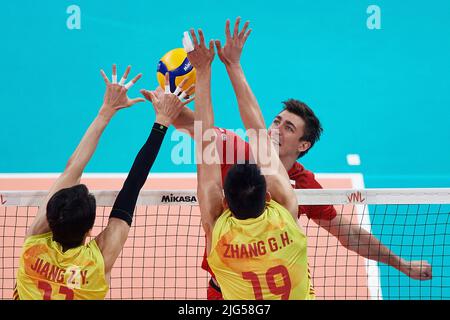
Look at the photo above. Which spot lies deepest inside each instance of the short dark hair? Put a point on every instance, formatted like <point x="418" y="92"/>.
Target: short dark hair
<point x="245" y="191"/>
<point x="313" y="128"/>
<point x="70" y="214"/>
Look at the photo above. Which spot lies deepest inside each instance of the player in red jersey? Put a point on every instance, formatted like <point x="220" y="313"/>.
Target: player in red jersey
<point x="298" y="129"/>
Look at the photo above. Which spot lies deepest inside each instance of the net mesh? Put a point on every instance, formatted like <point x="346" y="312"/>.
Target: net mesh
<point x="164" y="251"/>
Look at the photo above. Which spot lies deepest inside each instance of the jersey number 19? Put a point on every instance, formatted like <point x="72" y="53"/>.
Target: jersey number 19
<point x="283" y="290"/>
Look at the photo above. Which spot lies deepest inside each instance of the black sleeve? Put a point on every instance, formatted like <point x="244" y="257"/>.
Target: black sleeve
<point x="126" y="199"/>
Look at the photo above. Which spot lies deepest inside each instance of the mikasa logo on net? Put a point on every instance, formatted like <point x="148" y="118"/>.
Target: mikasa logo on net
<point x="178" y="198"/>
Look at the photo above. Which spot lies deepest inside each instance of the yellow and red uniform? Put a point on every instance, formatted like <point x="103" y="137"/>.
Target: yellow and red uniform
<point x="232" y="149"/>
<point x="47" y="273"/>
<point x="260" y="258"/>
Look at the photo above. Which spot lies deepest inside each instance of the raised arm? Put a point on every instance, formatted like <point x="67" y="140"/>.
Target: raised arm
<point x="115" y="99"/>
<point x="112" y="239"/>
<point x="209" y="181"/>
<point x="277" y="178"/>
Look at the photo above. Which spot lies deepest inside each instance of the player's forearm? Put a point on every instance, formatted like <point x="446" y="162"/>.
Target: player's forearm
<point x="126" y="199"/>
<point x="203" y="105"/>
<point x="146" y="158"/>
<point x="263" y="152"/>
<point x="208" y="169"/>
<point x="249" y="110"/>
<point x="203" y="113"/>
<point x="248" y="105"/>
<point x="86" y="148"/>
<point x="366" y="245"/>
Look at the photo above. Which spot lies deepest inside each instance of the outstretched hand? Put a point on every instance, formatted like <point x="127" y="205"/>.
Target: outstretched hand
<point x="418" y="270"/>
<point x="168" y="105"/>
<point x="230" y="54"/>
<point x="116" y="95"/>
<point x="201" y="57"/>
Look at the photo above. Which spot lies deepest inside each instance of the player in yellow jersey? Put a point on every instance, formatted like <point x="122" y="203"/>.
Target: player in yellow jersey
<point x="298" y="130"/>
<point x="55" y="262"/>
<point x="255" y="247"/>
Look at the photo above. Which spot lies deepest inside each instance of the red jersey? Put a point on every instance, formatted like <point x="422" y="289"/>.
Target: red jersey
<point x="232" y="149"/>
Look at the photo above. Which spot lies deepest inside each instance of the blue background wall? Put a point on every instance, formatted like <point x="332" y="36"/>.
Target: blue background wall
<point x="383" y="94"/>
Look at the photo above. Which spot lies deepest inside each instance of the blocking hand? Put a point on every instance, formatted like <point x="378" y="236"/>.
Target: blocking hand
<point x="167" y="105"/>
<point x="231" y="53"/>
<point x="201" y="57"/>
<point x="116" y="95"/>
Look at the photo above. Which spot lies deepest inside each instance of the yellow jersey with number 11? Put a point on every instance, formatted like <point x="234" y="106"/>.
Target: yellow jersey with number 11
<point x="47" y="273"/>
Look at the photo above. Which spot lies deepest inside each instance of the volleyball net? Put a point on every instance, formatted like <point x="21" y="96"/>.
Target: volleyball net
<point x="163" y="254"/>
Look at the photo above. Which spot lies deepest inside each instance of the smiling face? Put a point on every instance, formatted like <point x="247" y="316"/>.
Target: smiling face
<point x="291" y="129"/>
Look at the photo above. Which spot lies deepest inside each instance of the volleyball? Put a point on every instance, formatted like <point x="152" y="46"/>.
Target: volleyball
<point x="177" y="64"/>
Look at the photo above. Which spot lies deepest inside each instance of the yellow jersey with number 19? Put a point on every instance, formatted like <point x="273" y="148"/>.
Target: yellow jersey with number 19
<point x="47" y="273"/>
<point x="262" y="258"/>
